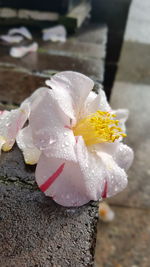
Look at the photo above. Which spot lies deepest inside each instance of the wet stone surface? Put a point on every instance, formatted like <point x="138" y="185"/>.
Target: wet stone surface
<point x="13" y="168"/>
<point x="16" y="85"/>
<point x="37" y="232"/>
<point x="84" y="52"/>
<point x="43" y="61"/>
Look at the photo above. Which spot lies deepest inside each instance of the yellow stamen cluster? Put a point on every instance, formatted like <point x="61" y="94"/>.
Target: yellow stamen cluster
<point x="99" y="127"/>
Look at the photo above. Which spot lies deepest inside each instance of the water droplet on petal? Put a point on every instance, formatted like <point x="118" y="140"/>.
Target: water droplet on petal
<point x="66" y="143"/>
<point x="52" y="141"/>
<point x="116" y="188"/>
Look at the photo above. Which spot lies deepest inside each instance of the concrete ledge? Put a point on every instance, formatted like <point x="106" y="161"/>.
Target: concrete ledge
<point x="35" y="231"/>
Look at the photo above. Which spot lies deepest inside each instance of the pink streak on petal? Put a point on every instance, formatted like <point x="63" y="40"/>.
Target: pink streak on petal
<point x="52" y="178"/>
<point x="76" y="138"/>
<point x="68" y="127"/>
<point x="104" y="194"/>
<point x="1" y="112"/>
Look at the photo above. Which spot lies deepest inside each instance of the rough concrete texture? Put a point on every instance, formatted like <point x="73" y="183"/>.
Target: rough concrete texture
<point x="35" y="231"/>
<point x="13" y="169"/>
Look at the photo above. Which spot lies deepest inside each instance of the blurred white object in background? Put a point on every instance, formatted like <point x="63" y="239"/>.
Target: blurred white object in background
<point x="21" y="51"/>
<point x="106" y="214"/>
<point x="22" y="30"/>
<point x="54" y="34"/>
<point x="11" y="39"/>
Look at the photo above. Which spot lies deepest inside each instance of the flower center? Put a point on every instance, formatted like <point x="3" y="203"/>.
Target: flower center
<point x="99" y="127"/>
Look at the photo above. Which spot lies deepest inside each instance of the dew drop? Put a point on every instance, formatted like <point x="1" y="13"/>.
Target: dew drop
<point x="116" y="189"/>
<point x="66" y="143"/>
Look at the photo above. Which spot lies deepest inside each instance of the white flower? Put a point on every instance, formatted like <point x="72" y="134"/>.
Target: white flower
<point x="77" y="139"/>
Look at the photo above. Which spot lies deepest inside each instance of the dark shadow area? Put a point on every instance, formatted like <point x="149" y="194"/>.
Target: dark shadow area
<point x="114" y="14"/>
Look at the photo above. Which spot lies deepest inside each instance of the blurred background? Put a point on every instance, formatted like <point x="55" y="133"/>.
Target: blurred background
<point x="108" y="40"/>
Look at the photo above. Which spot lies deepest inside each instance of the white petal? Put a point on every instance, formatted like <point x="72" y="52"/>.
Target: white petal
<point x="22" y="30"/>
<point x="56" y="33"/>
<point x="62" y="181"/>
<point x="11" y="39"/>
<point x="122" y="154"/>
<point x="96" y="102"/>
<point x="10" y="124"/>
<point x="71" y="90"/>
<point x="21" y="51"/>
<point x="2" y="142"/>
<point x="49" y="128"/>
<point x="92" y="169"/>
<point x="25" y="143"/>
<point x="121" y="115"/>
<point x="37" y="94"/>
<point x="115" y="177"/>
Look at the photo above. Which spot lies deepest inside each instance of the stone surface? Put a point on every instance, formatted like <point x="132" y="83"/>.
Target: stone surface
<point x="17" y="84"/>
<point x="134" y="63"/>
<point x="76" y="48"/>
<point x="83" y="52"/>
<point x="13" y="168"/>
<point x="44" y="61"/>
<point x="93" y="33"/>
<point x="37" y="232"/>
<point x="125" y="241"/>
<point x="138" y="26"/>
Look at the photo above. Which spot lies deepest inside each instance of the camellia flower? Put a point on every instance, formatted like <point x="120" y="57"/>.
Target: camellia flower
<point x="76" y="138"/>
